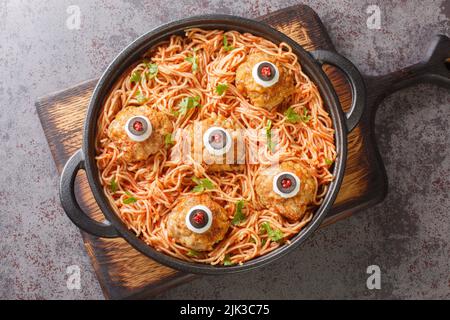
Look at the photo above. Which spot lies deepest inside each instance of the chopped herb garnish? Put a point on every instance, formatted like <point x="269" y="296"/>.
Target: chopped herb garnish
<point x="192" y="253"/>
<point x="305" y="117"/>
<point x="274" y="235"/>
<point x="252" y="240"/>
<point x="152" y="70"/>
<point x="225" y="44"/>
<point x="193" y="59"/>
<point x="186" y="104"/>
<point x="227" y="260"/>
<point x="113" y="185"/>
<point x="263" y="242"/>
<point x="270" y="144"/>
<point x="221" y="88"/>
<point x="168" y="140"/>
<point x="277" y="235"/>
<point x="135" y="77"/>
<point x="202" y="184"/>
<point x="328" y="161"/>
<point x="239" y="216"/>
<point x="140" y="97"/>
<point x="130" y="198"/>
<point x="291" y="115"/>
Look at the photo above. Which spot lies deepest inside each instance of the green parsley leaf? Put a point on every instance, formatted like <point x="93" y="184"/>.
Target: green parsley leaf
<point x="198" y="189"/>
<point x="225" y="44"/>
<point x="263" y="242"/>
<point x="328" y="161"/>
<point x="192" y="253"/>
<point x="152" y="70"/>
<point x="130" y="198"/>
<point x="239" y="216"/>
<point x="193" y="59"/>
<point x="274" y="235"/>
<point x="202" y="184"/>
<point x="227" y="260"/>
<point x="305" y="117"/>
<point x="291" y="115"/>
<point x="168" y="140"/>
<point x="113" y="185"/>
<point x="140" y="98"/>
<point x="277" y="235"/>
<point x="221" y="88"/>
<point x="186" y="104"/>
<point x="135" y="77"/>
<point x="264" y="227"/>
<point x="207" y="184"/>
<point x="270" y="144"/>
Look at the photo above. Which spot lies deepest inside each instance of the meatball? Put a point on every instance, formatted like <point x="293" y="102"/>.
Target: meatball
<point x="292" y="208"/>
<point x="267" y="97"/>
<point x="181" y="233"/>
<point x="213" y="162"/>
<point x="139" y="150"/>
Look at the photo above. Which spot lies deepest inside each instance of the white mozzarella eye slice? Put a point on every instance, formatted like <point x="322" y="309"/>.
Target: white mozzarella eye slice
<point x="199" y="219"/>
<point x="138" y="128"/>
<point x="286" y="184"/>
<point x="265" y="73"/>
<point x="217" y="141"/>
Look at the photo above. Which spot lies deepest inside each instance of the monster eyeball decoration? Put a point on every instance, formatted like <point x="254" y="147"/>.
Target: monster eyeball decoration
<point x="286" y="184"/>
<point x="217" y="141"/>
<point x="138" y="128"/>
<point x="265" y="73"/>
<point x="199" y="219"/>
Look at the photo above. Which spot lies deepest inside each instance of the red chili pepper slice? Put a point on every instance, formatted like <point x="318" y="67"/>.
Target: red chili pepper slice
<point x="138" y="126"/>
<point x="286" y="183"/>
<point x="265" y="71"/>
<point x="199" y="217"/>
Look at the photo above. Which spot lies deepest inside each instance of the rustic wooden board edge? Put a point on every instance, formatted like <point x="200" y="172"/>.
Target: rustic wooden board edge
<point x="325" y="41"/>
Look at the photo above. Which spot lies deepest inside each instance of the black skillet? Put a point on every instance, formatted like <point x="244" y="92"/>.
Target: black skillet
<point x="85" y="158"/>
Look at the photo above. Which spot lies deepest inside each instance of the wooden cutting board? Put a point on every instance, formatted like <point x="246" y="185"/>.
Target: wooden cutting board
<point x="125" y="273"/>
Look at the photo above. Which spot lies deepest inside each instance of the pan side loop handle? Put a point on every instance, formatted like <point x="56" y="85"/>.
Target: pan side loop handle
<point x="353" y="77"/>
<point x="70" y="204"/>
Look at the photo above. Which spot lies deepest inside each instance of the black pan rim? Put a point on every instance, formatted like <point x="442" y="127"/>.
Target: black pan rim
<point x="224" y="22"/>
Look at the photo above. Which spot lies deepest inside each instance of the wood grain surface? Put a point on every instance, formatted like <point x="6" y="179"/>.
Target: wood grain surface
<point x="125" y="273"/>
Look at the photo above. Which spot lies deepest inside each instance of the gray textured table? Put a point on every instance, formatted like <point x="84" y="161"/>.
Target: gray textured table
<point x="407" y="235"/>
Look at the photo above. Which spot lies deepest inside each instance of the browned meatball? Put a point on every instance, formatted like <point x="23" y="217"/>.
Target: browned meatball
<point x="260" y="96"/>
<point x="215" y="163"/>
<point x="179" y="231"/>
<point x="135" y="150"/>
<point x="291" y="208"/>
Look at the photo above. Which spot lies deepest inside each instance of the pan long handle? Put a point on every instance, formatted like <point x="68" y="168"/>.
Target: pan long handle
<point x="434" y="68"/>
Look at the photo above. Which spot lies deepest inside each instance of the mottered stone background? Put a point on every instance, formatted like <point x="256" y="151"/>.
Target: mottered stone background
<point x="407" y="235"/>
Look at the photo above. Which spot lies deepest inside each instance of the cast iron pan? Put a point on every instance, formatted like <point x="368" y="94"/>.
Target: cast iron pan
<point x="311" y="65"/>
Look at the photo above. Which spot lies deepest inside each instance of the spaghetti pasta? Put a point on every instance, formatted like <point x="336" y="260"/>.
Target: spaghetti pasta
<point x="143" y="193"/>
